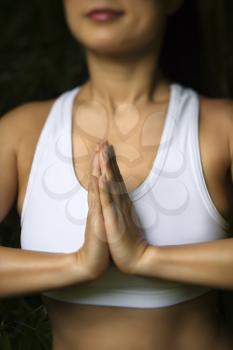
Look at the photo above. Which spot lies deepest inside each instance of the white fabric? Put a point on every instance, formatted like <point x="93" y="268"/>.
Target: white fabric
<point x="173" y="205"/>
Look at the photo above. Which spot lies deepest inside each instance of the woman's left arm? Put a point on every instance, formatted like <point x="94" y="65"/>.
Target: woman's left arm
<point x="208" y="264"/>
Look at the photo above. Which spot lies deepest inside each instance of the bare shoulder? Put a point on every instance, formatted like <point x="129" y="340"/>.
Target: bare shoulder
<point x="25" y="124"/>
<point x="217" y="117"/>
<point x="24" y="120"/>
<point x="218" y="110"/>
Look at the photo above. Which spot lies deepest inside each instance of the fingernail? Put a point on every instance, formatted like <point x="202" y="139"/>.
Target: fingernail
<point x="97" y="148"/>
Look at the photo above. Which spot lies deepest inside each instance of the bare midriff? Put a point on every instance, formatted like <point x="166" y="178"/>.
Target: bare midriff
<point x="196" y="324"/>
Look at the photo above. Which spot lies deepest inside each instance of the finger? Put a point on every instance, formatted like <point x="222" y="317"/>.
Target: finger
<point x="110" y="157"/>
<point x="113" y="162"/>
<point x="105" y="194"/>
<point x="95" y="191"/>
<point x="108" y="169"/>
<point x="97" y="148"/>
<point x="109" y="154"/>
<point x="113" y="218"/>
<point x="116" y="185"/>
<point x="124" y="191"/>
<point x="104" y="164"/>
<point x="95" y="169"/>
<point x="115" y="168"/>
<point x="118" y="178"/>
<point x="90" y="198"/>
<point x="107" y="203"/>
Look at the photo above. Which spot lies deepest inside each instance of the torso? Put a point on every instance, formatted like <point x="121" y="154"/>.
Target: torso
<point x="95" y="327"/>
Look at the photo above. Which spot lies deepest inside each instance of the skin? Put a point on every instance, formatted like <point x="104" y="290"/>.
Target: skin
<point x="121" y="63"/>
<point x="134" y="255"/>
<point x="122" y="60"/>
<point x="67" y="318"/>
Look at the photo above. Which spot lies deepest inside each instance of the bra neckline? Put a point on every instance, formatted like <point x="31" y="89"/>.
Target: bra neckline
<point x="160" y="156"/>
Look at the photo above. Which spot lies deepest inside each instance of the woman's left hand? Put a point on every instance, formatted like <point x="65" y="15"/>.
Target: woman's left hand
<point x="126" y="242"/>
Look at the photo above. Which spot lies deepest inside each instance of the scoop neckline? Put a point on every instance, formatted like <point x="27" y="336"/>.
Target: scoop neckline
<point x="154" y="173"/>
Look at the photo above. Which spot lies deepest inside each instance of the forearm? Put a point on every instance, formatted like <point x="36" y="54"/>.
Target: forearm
<point x="25" y="271"/>
<point x="209" y="264"/>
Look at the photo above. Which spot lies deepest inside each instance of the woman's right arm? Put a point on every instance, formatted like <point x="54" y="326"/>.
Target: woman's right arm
<point x="25" y="271"/>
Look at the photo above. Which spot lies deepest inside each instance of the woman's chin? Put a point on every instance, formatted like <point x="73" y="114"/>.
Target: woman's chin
<point x="109" y="48"/>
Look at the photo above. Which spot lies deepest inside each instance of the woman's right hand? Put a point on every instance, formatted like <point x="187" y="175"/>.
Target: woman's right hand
<point x="94" y="255"/>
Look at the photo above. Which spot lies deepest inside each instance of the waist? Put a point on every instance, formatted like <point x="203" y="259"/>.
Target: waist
<point x="92" y="327"/>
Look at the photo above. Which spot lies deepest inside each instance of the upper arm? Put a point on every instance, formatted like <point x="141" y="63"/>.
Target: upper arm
<point x="8" y="163"/>
<point x="230" y="139"/>
<point x="14" y="126"/>
<point x="17" y="127"/>
<point x="222" y="109"/>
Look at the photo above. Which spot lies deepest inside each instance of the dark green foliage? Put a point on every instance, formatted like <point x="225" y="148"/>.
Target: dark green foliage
<point x="24" y="325"/>
<point x="39" y="59"/>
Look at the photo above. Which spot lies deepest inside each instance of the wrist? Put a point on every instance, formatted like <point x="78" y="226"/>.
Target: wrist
<point x="149" y="262"/>
<point x="77" y="270"/>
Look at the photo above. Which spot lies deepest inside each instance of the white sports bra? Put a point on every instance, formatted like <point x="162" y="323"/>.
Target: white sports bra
<point x="172" y="203"/>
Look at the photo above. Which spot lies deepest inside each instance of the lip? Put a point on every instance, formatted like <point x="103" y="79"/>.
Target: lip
<point x="103" y="8"/>
<point x="104" y="15"/>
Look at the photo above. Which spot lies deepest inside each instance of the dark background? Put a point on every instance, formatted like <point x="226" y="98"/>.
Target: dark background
<point x="39" y="59"/>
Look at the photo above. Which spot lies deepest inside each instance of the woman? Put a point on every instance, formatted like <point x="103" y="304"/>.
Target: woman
<point x="131" y="239"/>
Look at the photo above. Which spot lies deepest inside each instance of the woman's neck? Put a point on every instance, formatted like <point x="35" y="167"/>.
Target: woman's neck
<point x="128" y="80"/>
